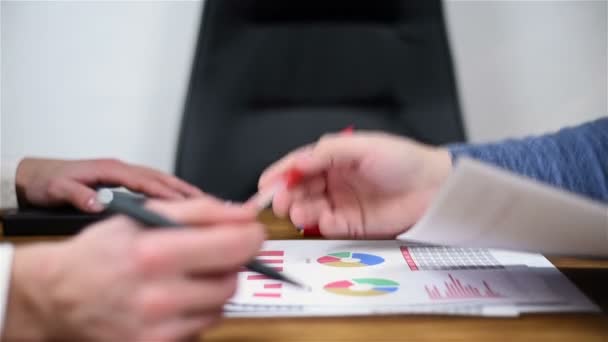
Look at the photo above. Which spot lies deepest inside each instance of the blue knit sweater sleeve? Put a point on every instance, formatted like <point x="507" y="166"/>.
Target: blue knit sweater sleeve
<point x="574" y="158"/>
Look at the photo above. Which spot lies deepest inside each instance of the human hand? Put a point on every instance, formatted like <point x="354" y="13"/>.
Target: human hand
<point x="118" y="282"/>
<point x="51" y="182"/>
<point x="364" y="185"/>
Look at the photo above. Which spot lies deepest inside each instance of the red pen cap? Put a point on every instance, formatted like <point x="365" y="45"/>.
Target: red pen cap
<point x="348" y="130"/>
<point x="294" y="176"/>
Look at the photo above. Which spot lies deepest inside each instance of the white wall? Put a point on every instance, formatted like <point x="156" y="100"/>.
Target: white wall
<point x="529" y="66"/>
<point x="91" y="79"/>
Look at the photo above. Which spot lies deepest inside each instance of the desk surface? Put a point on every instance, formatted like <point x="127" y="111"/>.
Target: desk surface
<point x="591" y="276"/>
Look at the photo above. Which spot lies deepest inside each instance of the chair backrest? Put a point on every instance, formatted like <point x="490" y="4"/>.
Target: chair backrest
<point x="271" y="75"/>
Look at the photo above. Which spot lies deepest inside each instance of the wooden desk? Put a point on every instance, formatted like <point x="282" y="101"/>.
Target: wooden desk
<point x="590" y="275"/>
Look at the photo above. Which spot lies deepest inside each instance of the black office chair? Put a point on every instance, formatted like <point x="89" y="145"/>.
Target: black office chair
<point x="271" y="75"/>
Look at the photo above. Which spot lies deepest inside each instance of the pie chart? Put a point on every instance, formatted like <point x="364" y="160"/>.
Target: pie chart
<point x="350" y="259"/>
<point x="362" y="287"/>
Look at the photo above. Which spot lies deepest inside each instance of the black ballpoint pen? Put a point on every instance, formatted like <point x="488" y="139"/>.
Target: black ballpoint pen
<point x="125" y="204"/>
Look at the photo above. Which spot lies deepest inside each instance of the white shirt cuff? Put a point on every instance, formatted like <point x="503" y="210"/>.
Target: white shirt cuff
<point x="8" y="191"/>
<point x="6" y="262"/>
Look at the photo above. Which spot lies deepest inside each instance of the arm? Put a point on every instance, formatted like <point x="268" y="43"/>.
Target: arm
<point x="8" y="194"/>
<point x="8" y="199"/>
<point x="375" y="185"/>
<point x="6" y="261"/>
<point x="164" y="284"/>
<point x="575" y="159"/>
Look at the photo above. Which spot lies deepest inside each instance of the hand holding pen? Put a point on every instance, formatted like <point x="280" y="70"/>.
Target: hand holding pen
<point x="272" y="185"/>
<point x="370" y="185"/>
<point x="121" y="203"/>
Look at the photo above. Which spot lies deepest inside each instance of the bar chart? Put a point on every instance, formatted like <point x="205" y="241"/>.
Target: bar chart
<point x="454" y="289"/>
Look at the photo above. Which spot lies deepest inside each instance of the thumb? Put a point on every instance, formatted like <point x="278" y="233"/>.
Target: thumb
<point x="80" y="196"/>
<point x="333" y="150"/>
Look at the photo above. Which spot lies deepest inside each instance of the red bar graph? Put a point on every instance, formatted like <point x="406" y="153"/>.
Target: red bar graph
<point x="455" y="290"/>
<point x="271" y="253"/>
<point x="407" y="256"/>
<point x="258" y="277"/>
<point x="267" y="287"/>
<point x="267" y="295"/>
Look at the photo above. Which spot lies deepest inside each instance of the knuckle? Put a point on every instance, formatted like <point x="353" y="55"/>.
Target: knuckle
<point x="55" y="186"/>
<point x="234" y="247"/>
<point x="243" y="246"/>
<point x="147" y="259"/>
<point x="153" y="304"/>
<point x="139" y="187"/>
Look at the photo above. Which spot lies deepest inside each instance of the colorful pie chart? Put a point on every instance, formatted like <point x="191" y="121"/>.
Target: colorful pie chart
<point x="362" y="287"/>
<point x="350" y="259"/>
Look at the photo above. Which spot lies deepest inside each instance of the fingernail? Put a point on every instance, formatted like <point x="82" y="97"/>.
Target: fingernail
<point x="94" y="205"/>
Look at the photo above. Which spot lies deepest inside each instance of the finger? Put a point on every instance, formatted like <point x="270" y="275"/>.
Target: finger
<point x="274" y="172"/>
<point x="334" y="150"/>
<point x="333" y="226"/>
<point x="79" y="195"/>
<point x="172" y="182"/>
<point x="138" y="179"/>
<point x="117" y="225"/>
<point x="183" y="187"/>
<point x="310" y="188"/>
<point x="331" y="150"/>
<point x="221" y="248"/>
<point x="308" y="212"/>
<point x="182" y="297"/>
<point x="203" y="210"/>
<point x="218" y="291"/>
<point x="182" y="329"/>
<point x="281" y="203"/>
<point x="283" y="199"/>
<point x="156" y="189"/>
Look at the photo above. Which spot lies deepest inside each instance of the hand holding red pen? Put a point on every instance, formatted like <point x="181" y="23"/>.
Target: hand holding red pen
<point x="361" y="185"/>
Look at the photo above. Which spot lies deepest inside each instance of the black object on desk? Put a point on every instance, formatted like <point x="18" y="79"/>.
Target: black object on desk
<point x="42" y="221"/>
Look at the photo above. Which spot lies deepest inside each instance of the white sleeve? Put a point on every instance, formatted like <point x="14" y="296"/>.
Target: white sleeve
<point x="8" y="192"/>
<point x="6" y="262"/>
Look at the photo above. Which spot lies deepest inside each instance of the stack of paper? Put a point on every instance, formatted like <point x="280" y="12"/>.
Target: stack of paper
<point x="483" y="206"/>
<point x="392" y="277"/>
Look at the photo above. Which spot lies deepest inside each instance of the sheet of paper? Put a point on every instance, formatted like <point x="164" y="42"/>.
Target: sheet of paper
<point x="325" y="311"/>
<point x="483" y="206"/>
<point x="392" y="277"/>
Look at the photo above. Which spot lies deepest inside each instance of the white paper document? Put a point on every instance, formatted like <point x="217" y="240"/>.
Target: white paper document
<point x="483" y="206"/>
<point x="394" y="277"/>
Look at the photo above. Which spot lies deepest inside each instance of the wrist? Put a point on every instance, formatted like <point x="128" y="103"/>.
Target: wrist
<point x="29" y="313"/>
<point x="439" y="166"/>
<point x="23" y="175"/>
